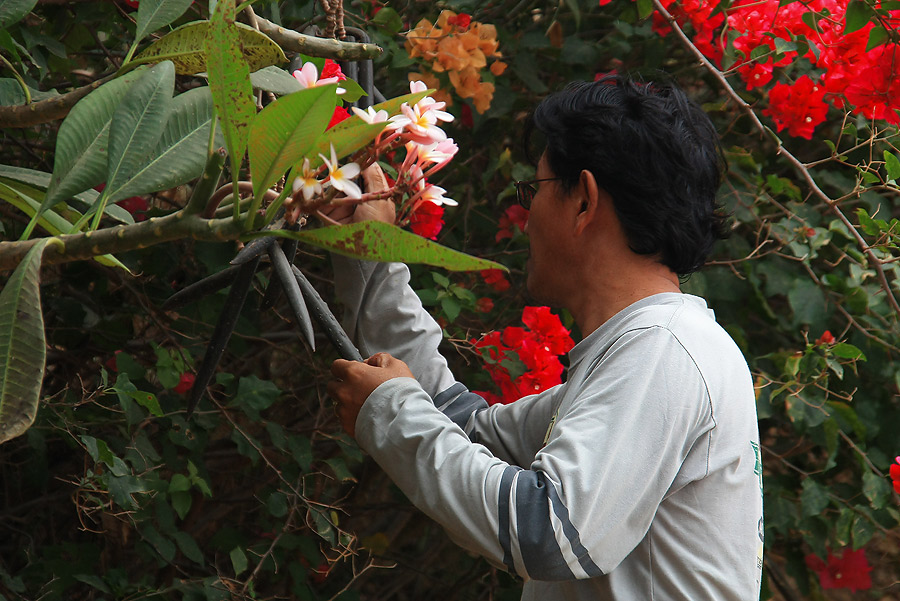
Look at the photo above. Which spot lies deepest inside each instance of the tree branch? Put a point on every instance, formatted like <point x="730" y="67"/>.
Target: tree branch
<point x="123" y="238"/>
<point x="51" y="109"/>
<point x="313" y="46"/>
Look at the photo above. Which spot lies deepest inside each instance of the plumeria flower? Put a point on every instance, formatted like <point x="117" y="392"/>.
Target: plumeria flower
<point x="308" y="76"/>
<point x="370" y="115"/>
<point x="421" y="126"/>
<point x="435" y="194"/>
<point x="440" y="152"/>
<point x="307" y="182"/>
<point x="341" y="178"/>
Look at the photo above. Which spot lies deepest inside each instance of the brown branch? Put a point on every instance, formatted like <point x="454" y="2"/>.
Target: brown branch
<point x="326" y="48"/>
<point x="797" y="163"/>
<point x="122" y="238"/>
<point x="51" y="109"/>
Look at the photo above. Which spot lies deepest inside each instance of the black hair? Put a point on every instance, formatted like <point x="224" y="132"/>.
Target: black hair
<point x="653" y="150"/>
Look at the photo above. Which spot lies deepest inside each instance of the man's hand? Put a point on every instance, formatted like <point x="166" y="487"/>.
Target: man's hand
<point x="355" y="381"/>
<point x="372" y="210"/>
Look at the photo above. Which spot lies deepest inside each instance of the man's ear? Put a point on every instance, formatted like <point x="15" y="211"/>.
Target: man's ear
<point x="589" y="199"/>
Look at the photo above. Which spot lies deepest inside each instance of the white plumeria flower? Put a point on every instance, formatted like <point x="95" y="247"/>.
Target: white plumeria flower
<point x="428" y="103"/>
<point x="370" y="115"/>
<point x="420" y="125"/>
<point x="341" y="178"/>
<point x="417" y="86"/>
<point x="440" y="152"/>
<point x="308" y="76"/>
<point x="307" y="182"/>
<point x="435" y="194"/>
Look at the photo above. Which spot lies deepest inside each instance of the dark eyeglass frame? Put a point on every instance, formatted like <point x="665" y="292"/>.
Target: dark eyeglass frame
<point x="525" y="190"/>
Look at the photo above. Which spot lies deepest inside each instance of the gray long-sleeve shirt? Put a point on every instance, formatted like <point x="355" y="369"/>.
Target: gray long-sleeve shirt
<point x="638" y="478"/>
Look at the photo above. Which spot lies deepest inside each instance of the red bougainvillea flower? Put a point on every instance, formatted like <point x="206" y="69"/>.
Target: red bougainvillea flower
<point x="895" y="474"/>
<point x="486" y="305"/>
<point x="340" y="113"/>
<point x="136" y="205"/>
<point x="427" y="220"/>
<point x="517" y="216"/>
<point x="850" y="570"/>
<point x="461" y="20"/>
<point x="332" y="69"/>
<point x="184" y="384"/>
<point x="495" y="279"/>
<point x="132" y="4"/>
<point x="826" y="338"/>
<point x="799" y="107"/>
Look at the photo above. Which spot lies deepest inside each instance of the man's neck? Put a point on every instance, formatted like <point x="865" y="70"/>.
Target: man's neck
<point x="605" y="294"/>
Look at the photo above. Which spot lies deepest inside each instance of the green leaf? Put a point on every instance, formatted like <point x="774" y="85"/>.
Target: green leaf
<point x="238" y="558"/>
<point x="876" y="489"/>
<point x="22" y="347"/>
<point x="377" y="241"/>
<point x="153" y="14"/>
<point x="80" y="160"/>
<point x="285" y="131"/>
<point x="814" y="498"/>
<point x="180" y="154"/>
<point x="275" y="80"/>
<point x="878" y="35"/>
<point x="137" y="126"/>
<point x="389" y="19"/>
<point x="576" y="12"/>
<point x="229" y="80"/>
<point x="892" y="165"/>
<point x="862" y="530"/>
<point x="185" y="46"/>
<point x="807" y="302"/>
<point x="181" y="502"/>
<point x="98" y="450"/>
<point x="645" y="8"/>
<point x="847" y="351"/>
<point x="13" y="11"/>
<point x="188" y="546"/>
<point x="857" y="15"/>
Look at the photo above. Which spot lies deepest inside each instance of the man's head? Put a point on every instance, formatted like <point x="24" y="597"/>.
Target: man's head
<point x="654" y="151"/>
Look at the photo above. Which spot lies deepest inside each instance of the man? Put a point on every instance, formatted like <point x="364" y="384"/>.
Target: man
<point x="638" y="478"/>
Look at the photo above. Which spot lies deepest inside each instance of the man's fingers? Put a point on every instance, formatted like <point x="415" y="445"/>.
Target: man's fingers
<point x="374" y="178"/>
<point x="379" y="360"/>
<point x="340" y="367"/>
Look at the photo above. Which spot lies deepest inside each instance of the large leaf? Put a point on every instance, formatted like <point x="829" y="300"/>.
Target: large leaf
<point x="22" y="347"/>
<point x="184" y="46"/>
<point x="180" y="154"/>
<point x="41" y="179"/>
<point x="80" y="159"/>
<point x="286" y="130"/>
<point x="377" y="241"/>
<point x="26" y="200"/>
<point x="153" y="14"/>
<point x="137" y="126"/>
<point x="229" y="80"/>
<point x="273" y="79"/>
<point x="12" y="11"/>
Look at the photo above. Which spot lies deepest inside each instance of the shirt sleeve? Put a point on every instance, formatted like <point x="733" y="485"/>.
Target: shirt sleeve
<point x="588" y="496"/>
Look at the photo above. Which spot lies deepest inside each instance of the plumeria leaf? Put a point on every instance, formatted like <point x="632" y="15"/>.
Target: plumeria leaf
<point x="137" y="125"/>
<point x="276" y="80"/>
<point x="184" y="46"/>
<point x="13" y="11"/>
<point x="23" y="350"/>
<point x="80" y="161"/>
<point x="180" y="154"/>
<point x="377" y="241"/>
<point x="352" y="90"/>
<point x="229" y="80"/>
<point x="286" y="131"/>
<point x="153" y="14"/>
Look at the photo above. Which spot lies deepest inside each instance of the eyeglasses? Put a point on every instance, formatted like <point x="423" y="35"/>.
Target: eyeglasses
<point x="525" y="190"/>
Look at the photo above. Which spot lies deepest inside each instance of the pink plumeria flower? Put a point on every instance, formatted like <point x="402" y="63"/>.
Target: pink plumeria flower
<point x="341" y="178"/>
<point x="308" y="76"/>
<point x="428" y="103"/>
<point x="370" y="115"/>
<point x="435" y="194"/>
<point x="417" y="86"/>
<point x="307" y="182"/>
<point x="440" y="152"/>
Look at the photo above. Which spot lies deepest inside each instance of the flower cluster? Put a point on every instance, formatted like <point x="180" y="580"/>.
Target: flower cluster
<point x="850" y="570"/>
<point x="769" y="34"/>
<point x="513" y="219"/>
<point x="525" y="361"/>
<point x="460" y="47"/>
<point x="413" y="133"/>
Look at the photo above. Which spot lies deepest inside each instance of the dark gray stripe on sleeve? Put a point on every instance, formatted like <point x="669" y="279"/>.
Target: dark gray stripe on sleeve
<point x="506" y="481"/>
<point x="459" y="404"/>
<point x="537" y="542"/>
<point x="584" y="558"/>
